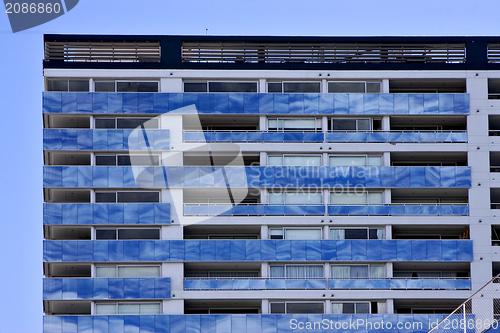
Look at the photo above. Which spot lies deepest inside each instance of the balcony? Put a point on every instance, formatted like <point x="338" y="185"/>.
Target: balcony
<point x="106" y="288"/>
<point x="258" y="177"/>
<point x="104" y="139"/>
<point x="333" y="136"/>
<point x="252" y="103"/>
<point x="256" y="250"/>
<point x="327" y="283"/>
<point x="254" y="323"/>
<point x="106" y="213"/>
<point x="205" y="209"/>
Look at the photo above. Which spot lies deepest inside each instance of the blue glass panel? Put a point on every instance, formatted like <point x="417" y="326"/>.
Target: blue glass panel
<point x="100" y="288"/>
<point x="52" y="102"/>
<point x="193" y="324"/>
<point x="69" y="212"/>
<point x="51" y="139"/>
<point x="401" y="104"/>
<point x="100" y="213"/>
<point x="99" y="103"/>
<point x="295" y="284"/>
<point x="146" y="250"/>
<point x="358" y="250"/>
<point x="100" y="176"/>
<point x="162" y="250"/>
<point x="100" y="139"/>
<point x="70" y="324"/>
<point x="207" y="250"/>
<point x="341" y="103"/>
<point x="52" y="176"/>
<point x="461" y="103"/>
<point x="177" y="323"/>
<point x="131" y="324"/>
<point x="85" y="215"/>
<point x="221" y="103"/>
<point x="434" y="250"/>
<point x="313" y="250"/>
<point x="404" y="250"/>
<point x="84" y="139"/>
<point x="116" y="288"/>
<point x="128" y="178"/>
<point x="250" y="103"/>
<point x="295" y="104"/>
<point x="84" y="324"/>
<point x="311" y="103"/>
<point x="370" y="102"/>
<point x="414" y="284"/>
<point x="192" y="248"/>
<point x="238" y="251"/>
<point x="445" y="103"/>
<point x="298" y="250"/>
<point x="115" y="103"/>
<point x="52" y="288"/>
<point x="372" y="177"/>
<point x="131" y="213"/>
<point x="175" y="101"/>
<point x="418" y="250"/>
<point x="207" y="324"/>
<point x="52" y="251"/>
<point x="464" y="250"/>
<point x="68" y="102"/>
<point x="402" y="175"/>
<point x="447" y="175"/>
<point x="398" y="284"/>
<point x="268" y="323"/>
<point x="449" y="248"/>
<point x="386" y="103"/>
<point x="430" y="284"/>
<point x="357" y="176"/>
<point x="84" y="176"/>
<point x="374" y="250"/>
<point x="84" y="288"/>
<point x="146" y="213"/>
<point x="70" y="251"/>
<point x="69" y="288"/>
<point x="116" y="250"/>
<point x="416" y="103"/>
<point x="131" y="288"/>
<point x="431" y="103"/>
<point x="389" y="250"/>
<point x="130" y="103"/>
<point x="145" y="104"/>
<point x="84" y="251"/>
<point x="459" y="137"/>
<point x="283" y="250"/>
<point x="268" y="250"/>
<point x="222" y="250"/>
<point x="84" y="102"/>
<point x="116" y="324"/>
<point x="266" y="103"/>
<point x="115" y="139"/>
<point x="162" y="288"/>
<point x="131" y="250"/>
<point x="160" y="103"/>
<point x="328" y="250"/>
<point x="239" y="322"/>
<point x="147" y="324"/>
<point x="417" y="176"/>
<point x="387" y="176"/>
<point x="344" y="250"/>
<point x="355" y="103"/>
<point x="52" y="213"/>
<point x="280" y="103"/>
<point x="463" y="176"/>
<point x="432" y="177"/>
<point x="252" y="250"/>
<point x="176" y="250"/>
<point x="116" y="213"/>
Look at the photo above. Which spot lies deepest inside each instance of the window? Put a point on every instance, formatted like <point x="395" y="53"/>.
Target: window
<point x="224" y="274"/>
<point x="428" y="274"/>
<point x="127" y="271"/>
<point x="356" y="198"/>
<point x="221" y="87"/>
<point x="68" y="85"/>
<point x="126" y="86"/>
<point x="296" y="198"/>
<point x="292" y="124"/>
<point x="128" y="233"/>
<point x="126" y="123"/>
<point x="296" y="307"/>
<point x="294" y="87"/>
<point x="355" y="160"/>
<point x="353" y="87"/>
<point x="135" y="196"/>
<point x="128" y="308"/>
<point x="351" y="308"/>
<point x="294" y="160"/>
<point x="295" y="233"/>
<point x="125" y="160"/>
<point x="357" y="271"/>
<point x="356" y="233"/>
<point x="296" y="271"/>
<point x="355" y="124"/>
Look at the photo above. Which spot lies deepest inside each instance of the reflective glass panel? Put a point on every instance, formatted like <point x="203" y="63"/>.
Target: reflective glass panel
<point x="138" y="271"/>
<point x="107" y="272"/>
<point x="131" y="123"/>
<point x="138" y="233"/>
<point x="199" y="87"/>
<point x="302" y="160"/>
<point x="296" y="308"/>
<point x="101" y="197"/>
<point x="105" y="234"/>
<point x="241" y="87"/>
<point x="137" y="86"/>
<point x="104" y="86"/>
<point x="301" y="87"/>
<point x="104" y="123"/>
<point x="105" y="309"/>
<point x="346" y="87"/>
<point x="105" y="160"/>
<point x="302" y="233"/>
<point x="138" y="196"/>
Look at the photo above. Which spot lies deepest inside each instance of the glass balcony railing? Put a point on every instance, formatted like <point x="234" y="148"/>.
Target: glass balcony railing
<point x="326" y="283"/>
<point x="213" y="209"/>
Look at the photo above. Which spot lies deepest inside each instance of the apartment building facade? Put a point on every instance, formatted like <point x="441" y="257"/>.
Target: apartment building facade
<point x="268" y="184"/>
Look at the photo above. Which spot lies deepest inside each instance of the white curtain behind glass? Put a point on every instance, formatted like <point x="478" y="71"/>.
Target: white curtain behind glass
<point x="303" y="234"/>
<point x="337" y="233"/>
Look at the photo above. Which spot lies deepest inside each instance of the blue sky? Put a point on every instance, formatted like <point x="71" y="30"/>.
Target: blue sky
<point x="21" y="85"/>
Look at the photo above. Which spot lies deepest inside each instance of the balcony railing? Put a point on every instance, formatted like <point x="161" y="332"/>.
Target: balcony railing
<point x="259" y="283"/>
<point x="214" y="209"/>
<point x="332" y="136"/>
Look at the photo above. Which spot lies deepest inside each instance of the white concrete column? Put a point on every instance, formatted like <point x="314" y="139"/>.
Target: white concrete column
<point x="263" y="158"/>
<point x="390" y="306"/>
<point x="172" y="232"/>
<point x="326" y="232"/>
<point x="324" y="124"/>
<point x="324" y="86"/>
<point x="389" y="270"/>
<point x="328" y="306"/>
<point x="324" y="159"/>
<point x="173" y="306"/>
<point x="386" y="123"/>
<point x="263" y="196"/>
<point x="264" y="270"/>
<point x="387" y="195"/>
<point x="326" y="270"/>
<point x="386" y="159"/>
<point x="264" y="232"/>
<point x="175" y="271"/>
<point x="263" y="123"/>
<point x="171" y="85"/>
<point x="385" y="86"/>
<point x="265" y="306"/>
<point x="326" y="197"/>
<point x="262" y="85"/>
<point x="388" y="231"/>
